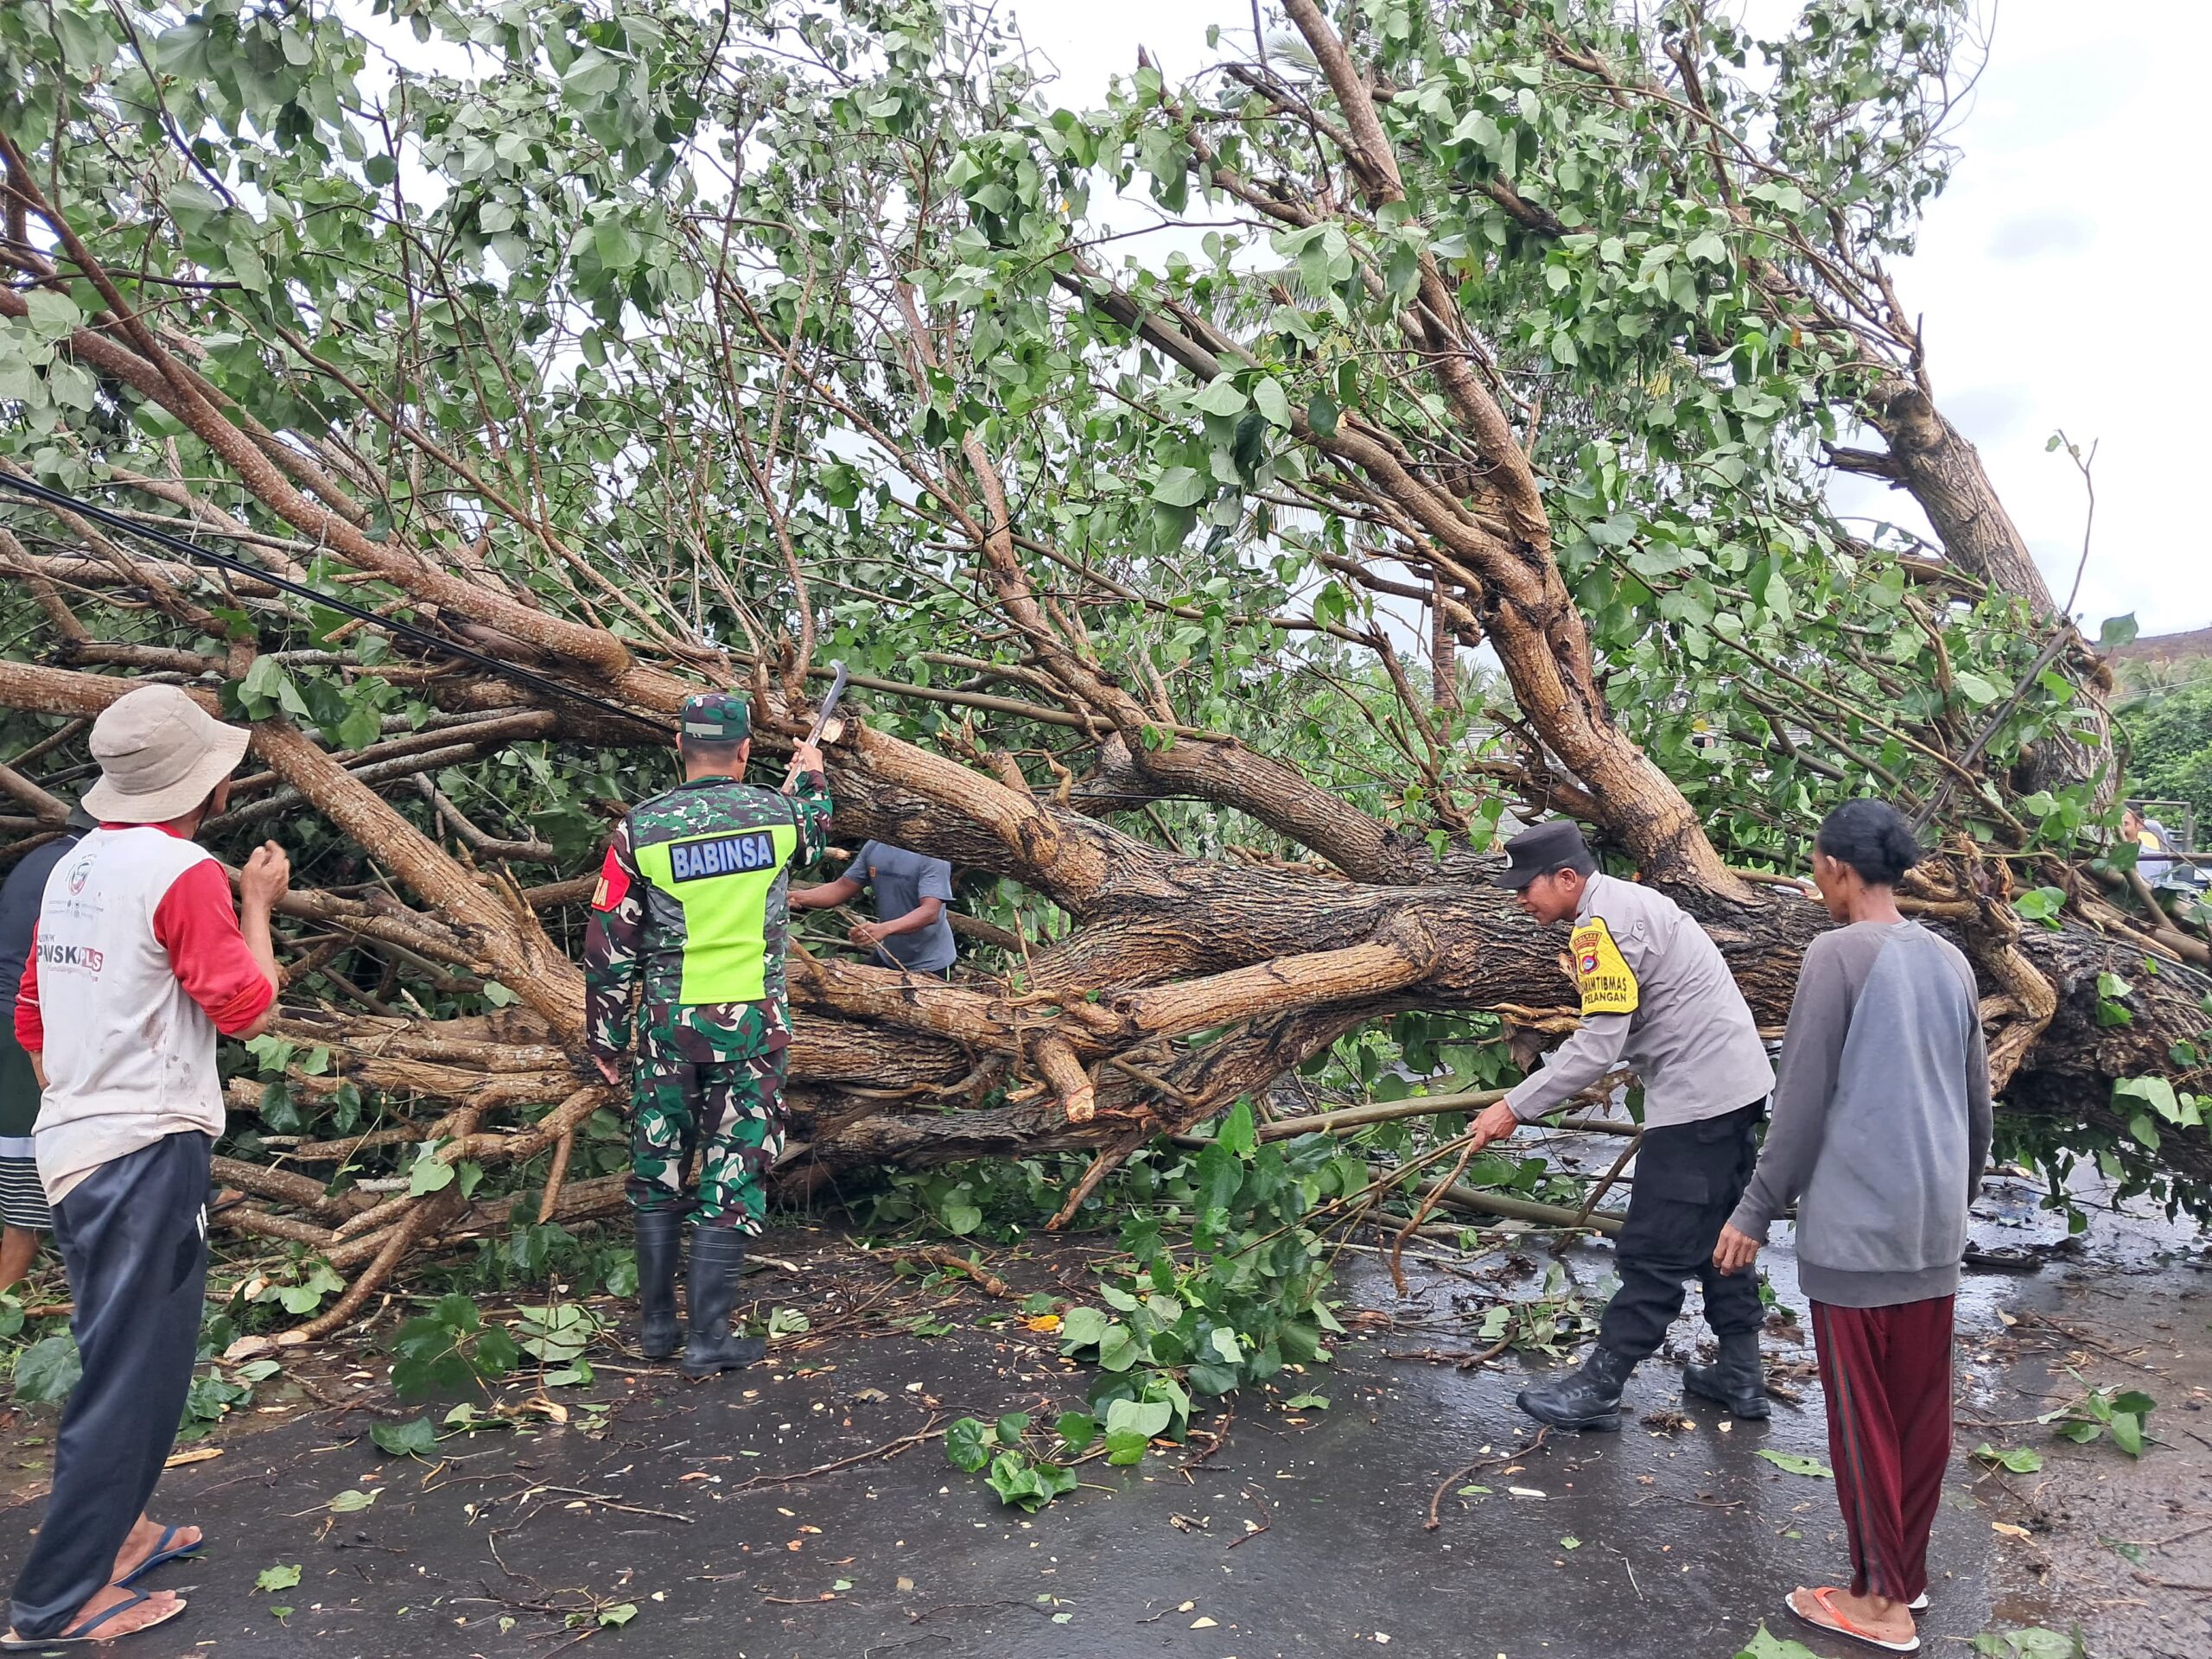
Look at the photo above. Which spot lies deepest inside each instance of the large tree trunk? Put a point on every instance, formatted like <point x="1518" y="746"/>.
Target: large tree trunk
<point x="1184" y="983"/>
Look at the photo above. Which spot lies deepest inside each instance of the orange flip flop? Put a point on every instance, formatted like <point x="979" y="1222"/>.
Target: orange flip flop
<point x="1837" y="1623"/>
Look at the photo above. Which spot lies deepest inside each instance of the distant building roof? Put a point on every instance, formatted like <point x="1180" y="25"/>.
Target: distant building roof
<point x="2165" y="647"/>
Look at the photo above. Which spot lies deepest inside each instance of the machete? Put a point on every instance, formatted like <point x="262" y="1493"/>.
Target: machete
<point x="827" y="726"/>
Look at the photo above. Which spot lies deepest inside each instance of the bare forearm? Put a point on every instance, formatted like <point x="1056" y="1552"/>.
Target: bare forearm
<point x="827" y="896"/>
<point x="253" y="922"/>
<point x="914" y="920"/>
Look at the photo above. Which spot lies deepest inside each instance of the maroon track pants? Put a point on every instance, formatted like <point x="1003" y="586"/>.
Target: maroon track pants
<point x="1886" y="1372"/>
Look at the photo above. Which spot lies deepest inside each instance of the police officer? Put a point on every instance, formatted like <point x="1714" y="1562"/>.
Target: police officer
<point x="1657" y="998"/>
<point x="690" y="907"/>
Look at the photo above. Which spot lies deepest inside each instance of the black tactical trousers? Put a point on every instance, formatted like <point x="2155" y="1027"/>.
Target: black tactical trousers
<point x="1689" y="1177"/>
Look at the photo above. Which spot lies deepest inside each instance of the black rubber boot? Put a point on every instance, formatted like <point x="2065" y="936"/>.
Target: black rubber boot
<point x="1588" y="1397"/>
<point x="660" y="1247"/>
<point x="1736" y="1378"/>
<point x="717" y="1255"/>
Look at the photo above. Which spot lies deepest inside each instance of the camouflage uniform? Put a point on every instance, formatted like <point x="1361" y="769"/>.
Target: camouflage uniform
<point x="691" y="901"/>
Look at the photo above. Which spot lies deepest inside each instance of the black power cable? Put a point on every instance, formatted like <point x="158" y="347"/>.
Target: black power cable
<point x="194" y="554"/>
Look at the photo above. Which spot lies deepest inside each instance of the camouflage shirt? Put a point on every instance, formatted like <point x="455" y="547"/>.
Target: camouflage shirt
<point x="691" y="903"/>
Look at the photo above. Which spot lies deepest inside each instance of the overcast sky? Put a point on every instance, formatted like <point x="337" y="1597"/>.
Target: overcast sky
<point x="2053" y="275"/>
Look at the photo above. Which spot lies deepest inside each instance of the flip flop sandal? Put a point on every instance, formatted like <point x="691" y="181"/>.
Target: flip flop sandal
<point x="1918" y="1604"/>
<point x="1841" y="1625"/>
<point x="163" y="1553"/>
<point x="88" y="1631"/>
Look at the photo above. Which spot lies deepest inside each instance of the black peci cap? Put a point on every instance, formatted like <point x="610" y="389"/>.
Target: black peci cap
<point x="1555" y="845"/>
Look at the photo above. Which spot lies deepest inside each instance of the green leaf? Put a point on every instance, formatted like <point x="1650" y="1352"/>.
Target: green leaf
<point x="277" y="1578"/>
<point x="1221" y="397"/>
<point x="2041" y="904"/>
<point x="1081" y="1327"/>
<point x="617" y="1616"/>
<point x="2034" y="1643"/>
<point x="1142" y="1417"/>
<point x="962" y="1219"/>
<point x="1179" y="486"/>
<point x="352" y="1502"/>
<point x="2154" y="1092"/>
<point x="1077" y="1430"/>
<point x="2020" y="1460"/>
<point x="616" y="247"/>
<point x="967" y="1444"/>
<point x="1269" y="399"/>
<point x="1119" y="1349"/>
<point x="1765" y="1644"/>
<point x="47" y="1369"/>
<point x="2116" y="631"/>
<point x="428" y="1174"/>
<point x="1790" y="1464"/>
<point x="1322" y="414"/>
<point x="1307" y="1403"/>
<point x="1978" y="690"/>
<point x="1239" y="1135"/>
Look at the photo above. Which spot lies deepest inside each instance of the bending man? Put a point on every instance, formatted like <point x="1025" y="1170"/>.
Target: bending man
<point x="1657" y="998"/>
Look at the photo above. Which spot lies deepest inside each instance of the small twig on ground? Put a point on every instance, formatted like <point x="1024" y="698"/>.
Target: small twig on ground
<point x="1267" y="1519"/>
<point x="889" y="1448"/>
<point x="1436" y="1501"/>
<point x="605" y="1502"/>
<point x="2168" y="1583"/>
<point x="984" y="1278"/>
<point x="1216" y="1437"/>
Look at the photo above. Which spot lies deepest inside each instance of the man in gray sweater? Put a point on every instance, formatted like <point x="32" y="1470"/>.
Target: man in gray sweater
<point x="1656" y="998"/>
<point x="1881" y="1130"/>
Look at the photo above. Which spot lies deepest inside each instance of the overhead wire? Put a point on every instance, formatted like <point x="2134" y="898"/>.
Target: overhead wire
<point x="192" y="552"/>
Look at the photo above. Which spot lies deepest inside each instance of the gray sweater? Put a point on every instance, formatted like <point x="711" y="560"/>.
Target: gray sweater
<point x="1881" y="1117"/>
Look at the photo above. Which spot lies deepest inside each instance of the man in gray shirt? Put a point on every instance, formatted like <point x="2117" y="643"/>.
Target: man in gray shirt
<point x="910" y="894"/>
<point x="1881" y="1129"/>
<point x="1657" y="999"/>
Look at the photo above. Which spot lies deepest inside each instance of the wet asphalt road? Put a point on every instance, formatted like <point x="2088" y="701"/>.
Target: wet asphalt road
<point x="1301" y="1533"/>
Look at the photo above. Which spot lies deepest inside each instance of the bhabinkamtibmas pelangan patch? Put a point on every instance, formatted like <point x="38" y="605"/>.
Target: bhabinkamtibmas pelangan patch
<point x="1606" y="983"/>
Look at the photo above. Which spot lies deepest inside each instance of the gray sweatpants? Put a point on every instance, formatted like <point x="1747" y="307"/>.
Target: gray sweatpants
<point x="133" y="1235"/>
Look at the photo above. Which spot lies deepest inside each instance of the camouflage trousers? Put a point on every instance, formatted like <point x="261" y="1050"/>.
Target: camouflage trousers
<point x="725" y="1112"/>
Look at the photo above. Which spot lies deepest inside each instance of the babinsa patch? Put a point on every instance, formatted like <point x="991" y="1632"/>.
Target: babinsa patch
<point x="733" y="855"/>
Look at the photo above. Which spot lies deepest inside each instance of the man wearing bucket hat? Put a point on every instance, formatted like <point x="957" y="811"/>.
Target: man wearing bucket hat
<point x="137" y="961"/>
<point x="692" y="909"/>
<point x="1657" y="998"/>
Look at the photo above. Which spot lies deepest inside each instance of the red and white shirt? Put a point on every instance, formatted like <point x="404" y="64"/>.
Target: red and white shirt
<point x="137" y="962"/>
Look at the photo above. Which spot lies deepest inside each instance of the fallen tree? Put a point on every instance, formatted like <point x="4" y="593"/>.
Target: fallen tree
<point x="667" y="349"/>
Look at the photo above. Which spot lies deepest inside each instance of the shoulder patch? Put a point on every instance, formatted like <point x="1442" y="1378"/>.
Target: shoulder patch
<point x="1606" y="983"/>
<point x="613" y="883"/>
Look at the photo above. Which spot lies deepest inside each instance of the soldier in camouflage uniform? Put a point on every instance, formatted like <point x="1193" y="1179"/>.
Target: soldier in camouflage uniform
<point x="691" y="907"/>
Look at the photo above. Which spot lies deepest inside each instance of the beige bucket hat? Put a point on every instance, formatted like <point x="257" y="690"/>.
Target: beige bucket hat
<point x="161" y="754"/>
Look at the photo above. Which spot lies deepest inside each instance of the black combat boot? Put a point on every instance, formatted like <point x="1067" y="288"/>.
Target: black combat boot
<point x="717" y="1255"/>
<point x="1736" y="1378"/>
<point x="1588" y="1397"/>
<point x="660" y="1247"/>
